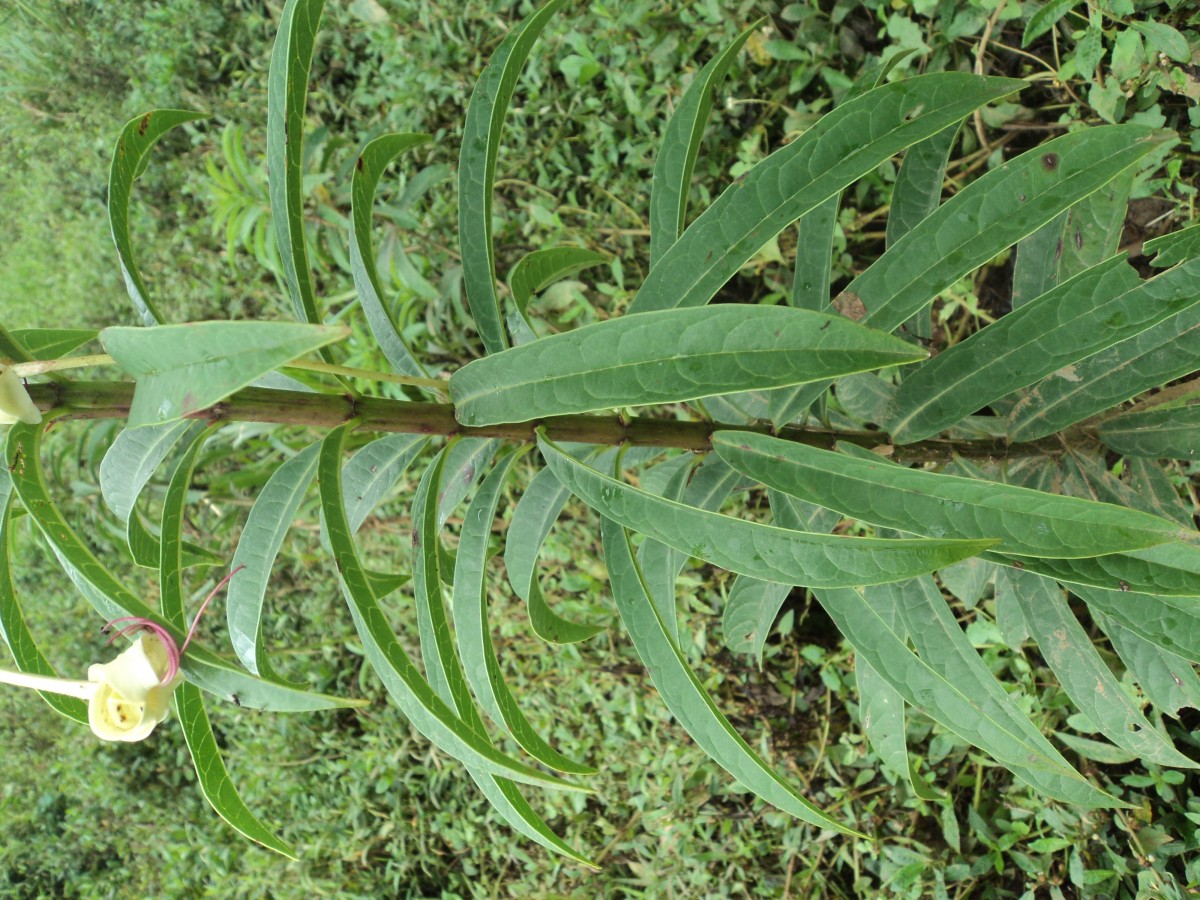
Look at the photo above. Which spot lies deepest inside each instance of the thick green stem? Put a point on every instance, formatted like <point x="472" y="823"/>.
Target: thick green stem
<point x="102" y="400"/>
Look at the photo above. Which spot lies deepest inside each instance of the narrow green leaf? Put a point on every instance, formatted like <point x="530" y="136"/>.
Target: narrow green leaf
<point x="466" y="461"/>
<point x="1084" y="676"/>
<point x="131" y="461"/>
<point x="374" y="470"/>
<point x="968" y="580"/>
<point x="112" y="599"/>
<point x="1157" y="493"/>
<point x="680" y="146"/>
<point x="532" y="519"/>
<point x="668" y="356"/>
<point x="1162" y="433"/>
<point x="477" y="172"/>
<point x="749" y="548"/>
<point x="1097" y="751"/>
<point x="683" y="693"/>
<point x="129" y="160"/>
<point x="810" y="290"/>
<point x="15" y="633"/>
<point x="215" y="784"/>
<point x="1095" y="310"/>
<point x="181" y="369"/>
<point x="918" y="188"/>
<point x="882" y="707"/>
<point x="261" y="539"/>
<point x="840" y="148"/>
<point x="1123" y="572"/>
<point x="1156" y="356"/>
<point x="958" y="693"/>
<point x="1167" y="679"/>
<point x="538" y="270"/>
<point x="706" y="487"/>
<point x="1174" y="248"/>
<point x="473" y="631"/>
<point x="53" y="343"/>
<point x="373" y="159"/>
<point x="287" y="93"/>
<point x="753" y="605"/>
<point x="445" y="673"/>
<point x="1083" y="236"/>
<point x="1172" y="623"/>
<point x="750" y="611"/>
<point x="936" y="505"/>
<point x="418" y="701"/>
<point x="994" y="212"/>
<point x="1045" y="18"/>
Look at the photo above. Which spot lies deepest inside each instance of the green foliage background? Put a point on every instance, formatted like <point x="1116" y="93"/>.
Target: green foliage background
<point x="374" y="809"/>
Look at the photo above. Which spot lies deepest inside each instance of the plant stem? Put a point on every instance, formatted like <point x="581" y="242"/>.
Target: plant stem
<point x="350" y="372"/>
<point x="81" y="689"/>
<point x="106" y="400"/>
<point x="42" y="366"/>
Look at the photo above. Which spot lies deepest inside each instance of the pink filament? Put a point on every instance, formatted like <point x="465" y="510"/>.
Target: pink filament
<point x="174" y="651"/>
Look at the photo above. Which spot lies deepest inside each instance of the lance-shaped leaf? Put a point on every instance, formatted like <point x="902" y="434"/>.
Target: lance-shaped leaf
<point x="988" y="216"/>
<point x="704" y="487"/>
<point x="442" y="665"/>
<point x="259" y="544"/>
<point x="1158" y="355"/>
<point x="477" y="172"/>
<point x="1174" y="248"/>
<point x="287" y="93"/>
<point x="112" y="599"/>
<point x="181" y="369"/>
<point x="1172" y="623"/>
<point x="374" y="470"/>
<point x="427" y="711"/>
<point x="473" y="630"/>
<point x="753" y="605"/>
<point x="840" y="148"/>
<point x="53" y="343"/>
<point x="883" y="493"/>
<point x="15" y="633"/>
<point x="1167" y="679"/>
<point x="131" y="461"/>
<point x="1084" y="676"/>
<point x="680" y="146"/>
<point x="682" y="691"/>
<point x="750" y="548"/>
<point x="954" y="692"/>
<point x="373" y="159"/>
<point x="1094" y="310"/>
<point x="1123" y="572"/>
<point x="1163" y="433"/>
<point x="1045" y="18"/>
<point x="215" y="784"/>
<point x="668" y="356"/>
<point x="532" y="519"/>
<point x="1155" y="492"/>
<point x="882" y="706"/>
<point x="538" y="270"/>
<point x="129" y="161"/>
<point x="993" y="213"/>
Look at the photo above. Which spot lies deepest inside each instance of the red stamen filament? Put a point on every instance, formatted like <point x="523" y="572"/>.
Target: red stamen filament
<point x="174" y="651"/>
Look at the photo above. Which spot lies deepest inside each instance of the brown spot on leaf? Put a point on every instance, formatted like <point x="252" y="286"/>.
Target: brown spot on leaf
<point x="850" y="305"/>
<point x="1050" y="162"/>
<point x="144" y="124"/>
<point x="359" y="164"/>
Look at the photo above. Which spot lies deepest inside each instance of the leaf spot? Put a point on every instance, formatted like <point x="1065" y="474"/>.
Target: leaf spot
<point x="1050" y="162"/>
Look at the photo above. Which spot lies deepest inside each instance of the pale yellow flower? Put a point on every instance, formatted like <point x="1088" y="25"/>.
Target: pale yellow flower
<point x="15" y="404"/>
